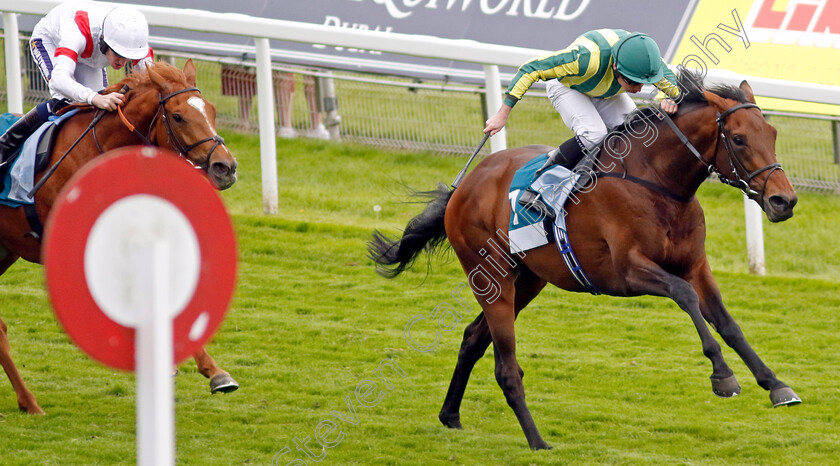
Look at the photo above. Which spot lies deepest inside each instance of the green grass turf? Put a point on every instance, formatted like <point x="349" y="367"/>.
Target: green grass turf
<point x="608" y="380"/>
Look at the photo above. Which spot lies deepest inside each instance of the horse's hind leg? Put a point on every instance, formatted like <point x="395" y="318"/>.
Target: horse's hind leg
<point x="220" y="380"/>
<point x="25" y="398"/>
<point x="496" y="291"/>
<point x="476" y="340"/>
<point x="711" y="305"/>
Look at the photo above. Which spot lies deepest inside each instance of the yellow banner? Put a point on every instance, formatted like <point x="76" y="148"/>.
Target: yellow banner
<point x="794" y="40"/>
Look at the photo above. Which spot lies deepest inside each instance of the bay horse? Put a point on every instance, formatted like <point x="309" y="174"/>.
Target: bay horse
<point x="162" y="107"/>
<point x="639" y="230"/>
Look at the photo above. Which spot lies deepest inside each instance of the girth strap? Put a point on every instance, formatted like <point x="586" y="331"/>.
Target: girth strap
<point x="565" y="248"/>
<point x="34" y="221"/>
<point x="646" y="184"/>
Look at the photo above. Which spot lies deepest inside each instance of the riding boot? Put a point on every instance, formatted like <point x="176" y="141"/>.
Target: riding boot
<point x="12" y="140"/>
<point x="567" y="155"/>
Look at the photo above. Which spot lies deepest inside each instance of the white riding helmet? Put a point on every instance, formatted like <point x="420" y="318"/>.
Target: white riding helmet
<point x="126" y="31"/>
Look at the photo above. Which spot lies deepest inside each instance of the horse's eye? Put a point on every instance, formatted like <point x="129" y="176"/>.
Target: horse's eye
<point x="739" y="140"/>
<point x="177" y="117"/>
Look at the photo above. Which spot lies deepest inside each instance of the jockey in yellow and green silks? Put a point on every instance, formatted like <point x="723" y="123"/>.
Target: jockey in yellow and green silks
<point x="587" y="84"/>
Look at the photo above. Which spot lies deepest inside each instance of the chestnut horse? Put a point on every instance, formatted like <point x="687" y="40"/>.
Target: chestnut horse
<point x="638" y="231"/>
<point x="167" y="110"/>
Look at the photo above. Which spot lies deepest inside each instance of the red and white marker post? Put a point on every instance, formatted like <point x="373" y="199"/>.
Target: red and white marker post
<point x="140" y="261"/>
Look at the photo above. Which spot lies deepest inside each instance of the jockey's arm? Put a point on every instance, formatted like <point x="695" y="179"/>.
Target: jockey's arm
<point x="668" y="86"/>
<point x="63" y="82"/>
<point x="496" y="122"/>
<point x="549" y="66"/>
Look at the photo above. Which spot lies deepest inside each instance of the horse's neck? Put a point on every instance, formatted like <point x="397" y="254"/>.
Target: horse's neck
<point x="670" y="163"/>
<point x="139" y="112"/>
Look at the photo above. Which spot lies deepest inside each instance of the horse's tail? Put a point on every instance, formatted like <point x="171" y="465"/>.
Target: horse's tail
<point x="424" y="232"/>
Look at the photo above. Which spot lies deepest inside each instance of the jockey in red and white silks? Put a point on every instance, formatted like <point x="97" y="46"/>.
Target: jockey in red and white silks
<point x="72" y="46"/>
<point x="77" y="40"/>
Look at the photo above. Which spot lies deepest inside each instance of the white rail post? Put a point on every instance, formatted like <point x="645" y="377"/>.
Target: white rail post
<point x="268" y="141"/>
<point x="14" y="83"/>
<point x="493" y="97"/>
<point x="755" y="237"/>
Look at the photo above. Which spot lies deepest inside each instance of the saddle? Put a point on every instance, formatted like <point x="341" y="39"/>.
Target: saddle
<point x="585" y="168"/>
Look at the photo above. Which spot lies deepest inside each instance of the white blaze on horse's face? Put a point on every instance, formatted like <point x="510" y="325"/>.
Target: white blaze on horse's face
<point x="198" y="104"/>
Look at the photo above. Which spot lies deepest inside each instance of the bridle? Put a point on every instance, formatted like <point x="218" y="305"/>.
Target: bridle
<point x="178" y="145"/>
<point x="735" y="163"/>
<point x="739" y="182"/>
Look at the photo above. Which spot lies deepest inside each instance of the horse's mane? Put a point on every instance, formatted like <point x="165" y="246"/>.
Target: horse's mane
<point x="136" y="80"/>
<point x="141" y="79"/>
<point x="692" y="92"/>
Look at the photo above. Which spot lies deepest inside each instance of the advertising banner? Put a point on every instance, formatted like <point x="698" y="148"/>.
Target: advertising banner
<point x="540" y="24"/>
<point x="794" y="40"/>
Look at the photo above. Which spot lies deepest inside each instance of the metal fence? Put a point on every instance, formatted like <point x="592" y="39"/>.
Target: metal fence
<point x="439" y="116"/>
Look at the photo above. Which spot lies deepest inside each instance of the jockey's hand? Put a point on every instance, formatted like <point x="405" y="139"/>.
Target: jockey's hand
<point x="108" y="102"/>
<point x="668" y="106"/>
<point x="496" y="122"/>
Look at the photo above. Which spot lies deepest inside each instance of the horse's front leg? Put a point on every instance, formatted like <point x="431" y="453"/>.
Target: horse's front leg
<point x="711" y="305"/>
<point x="646" y="277"/>
<point x="220" y="380"/>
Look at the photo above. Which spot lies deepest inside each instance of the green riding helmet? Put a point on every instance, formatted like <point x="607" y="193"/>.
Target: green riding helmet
<point x="638" y="58"/>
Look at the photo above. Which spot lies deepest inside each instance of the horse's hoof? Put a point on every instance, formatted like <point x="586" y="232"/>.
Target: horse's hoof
<point x="541" y="445"/>
<point x="453" y="422"/>
<point x="784" y="396"/>
<point x="33" y="409"/>
<point x="223" y="383"/>
<point x="726" y="388"/>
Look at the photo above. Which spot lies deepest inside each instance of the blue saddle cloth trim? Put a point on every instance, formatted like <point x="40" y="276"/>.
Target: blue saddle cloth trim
<point x="19" y="179"/>
<point x="528" y="227"/>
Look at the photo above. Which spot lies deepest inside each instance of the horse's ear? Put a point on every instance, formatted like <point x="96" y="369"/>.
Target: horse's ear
<point x="189" y="72"/>
<point x="747" y="91"/>
<point x="158" y="80"/>
<point x="715" y="100"/>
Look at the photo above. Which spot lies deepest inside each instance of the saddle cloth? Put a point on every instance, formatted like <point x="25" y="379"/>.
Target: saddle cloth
<point x="530" y="226"/>
<point x="20" y="178"/>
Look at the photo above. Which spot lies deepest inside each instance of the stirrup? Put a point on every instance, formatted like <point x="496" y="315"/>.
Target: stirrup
<point x="530" y="199"/>
<point x="553" y="154"/>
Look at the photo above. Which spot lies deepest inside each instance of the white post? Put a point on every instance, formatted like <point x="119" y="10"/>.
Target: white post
<point x="154" y="355"/>
<point x="268" y="141"/>
<point x="493" y="96"/>
<point x="14" y="83"/>
<point x="755" y="237"/>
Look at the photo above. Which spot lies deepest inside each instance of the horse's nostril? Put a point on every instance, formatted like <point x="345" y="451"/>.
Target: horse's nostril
<point x="781" y="202"/>
<point x="221" y="169"/>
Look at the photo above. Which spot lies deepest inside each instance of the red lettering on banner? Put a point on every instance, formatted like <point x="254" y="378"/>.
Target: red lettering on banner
<point x="829" y="21"/>
<point x="802" y="15"/>
<point x="804" y="22"/>
<point x="767" y="18"/>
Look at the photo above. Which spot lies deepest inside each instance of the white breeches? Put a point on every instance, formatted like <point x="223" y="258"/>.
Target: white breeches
<point x="588" y="117"/>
